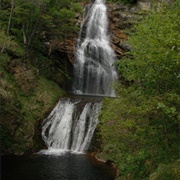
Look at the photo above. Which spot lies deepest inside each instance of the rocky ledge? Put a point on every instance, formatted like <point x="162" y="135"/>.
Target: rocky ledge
<point x="122" y="18"/>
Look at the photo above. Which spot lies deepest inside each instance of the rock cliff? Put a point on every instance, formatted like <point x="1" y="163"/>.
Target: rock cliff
<point x="121" y="19"/>
<point x="29" y="88"/>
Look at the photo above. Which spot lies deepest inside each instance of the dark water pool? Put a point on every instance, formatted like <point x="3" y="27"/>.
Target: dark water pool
<point x="46" y="167"/>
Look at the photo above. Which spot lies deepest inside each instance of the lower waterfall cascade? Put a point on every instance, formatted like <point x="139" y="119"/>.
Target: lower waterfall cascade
<point x="70" y="125"/>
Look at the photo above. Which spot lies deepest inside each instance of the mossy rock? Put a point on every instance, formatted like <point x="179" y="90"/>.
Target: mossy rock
<point x="22" y="111"/>
<point x="167" y="172"/>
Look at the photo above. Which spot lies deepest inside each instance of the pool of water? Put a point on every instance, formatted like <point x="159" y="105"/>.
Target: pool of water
<point x="50" y="167"/>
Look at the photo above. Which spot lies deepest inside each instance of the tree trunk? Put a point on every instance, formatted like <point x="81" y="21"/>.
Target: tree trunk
<point x="10" y="16"/>
<point x="3" y="47"/>
<point x="24" y="35"/>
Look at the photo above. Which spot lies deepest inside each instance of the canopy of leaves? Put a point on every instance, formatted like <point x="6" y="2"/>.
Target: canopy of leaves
<point x="27" y="90"/>
<point x="140" y="128"/>
<point x="32" y="19"/>
<point x="156" y="47"/>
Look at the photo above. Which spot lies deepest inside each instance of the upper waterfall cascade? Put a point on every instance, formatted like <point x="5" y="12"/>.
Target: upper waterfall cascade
<point x="94" y="71"/>
<point x="71" y="124"/>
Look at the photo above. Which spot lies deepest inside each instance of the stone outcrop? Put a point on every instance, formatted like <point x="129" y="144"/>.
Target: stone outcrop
<point x="122" y="18"/>
<point x="68" y="47"/>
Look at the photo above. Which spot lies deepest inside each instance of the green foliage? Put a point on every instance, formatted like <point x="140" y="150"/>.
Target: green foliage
<point x="156" y="46"/>
<point x="76" y="8"/>
<point x="140" y="128"/>
<point x="43" y="96"/>
<point x="32" y="19"/>
<point x="140" y="132"/>
<point x="4" y="59"/>
<point x="29" y="78"/>
<point x="167" y="172"/>
<point x="65" y="19"/>
<point x="9" y="46"/>
<point x="20" y="113"/>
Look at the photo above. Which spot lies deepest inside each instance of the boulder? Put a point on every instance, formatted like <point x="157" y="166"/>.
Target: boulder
<point x="145" y="6"/>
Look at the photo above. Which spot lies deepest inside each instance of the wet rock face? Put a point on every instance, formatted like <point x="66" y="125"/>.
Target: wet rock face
<point x="122" y="17"/>
<point x="67" y="46"/>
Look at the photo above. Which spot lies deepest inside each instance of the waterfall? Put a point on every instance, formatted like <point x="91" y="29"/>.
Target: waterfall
<point x="71" y="124"/>
<point x="94" y="71"/>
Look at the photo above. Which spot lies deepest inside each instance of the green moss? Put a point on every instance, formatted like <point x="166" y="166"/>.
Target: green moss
<point x="43" y="97"/>
<point x="167" y="172"/>
<point x="21" y="113"/>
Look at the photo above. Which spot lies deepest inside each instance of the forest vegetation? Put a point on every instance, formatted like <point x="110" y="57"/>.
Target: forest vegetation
<point x="139" y="129"/>
<point x="31" y="79"/>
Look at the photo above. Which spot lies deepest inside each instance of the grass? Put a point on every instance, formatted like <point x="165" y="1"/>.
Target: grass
<point x="22" y="112"/>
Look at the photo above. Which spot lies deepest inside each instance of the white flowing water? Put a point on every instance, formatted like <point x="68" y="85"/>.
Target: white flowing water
<point x="94" y="71"/>
<point x="71" y="124"/>
<point x="70" y="127"/>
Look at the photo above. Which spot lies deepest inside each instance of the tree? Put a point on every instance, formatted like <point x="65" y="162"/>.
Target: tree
<point x="10" y="17"/>
<point x="155" y="50"/>
<point x="28" y="21"/>
<point x="140" y="128"/>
